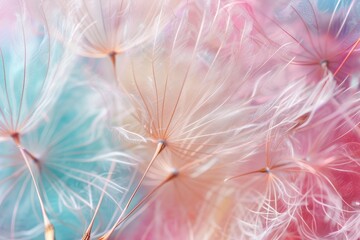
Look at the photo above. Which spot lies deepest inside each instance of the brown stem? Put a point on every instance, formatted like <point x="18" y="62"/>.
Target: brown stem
<point x="160" y="146"/>
<point x="87" y="234"/>
<point x="49" y="228"/>
<point x="112" y="56"/>
<point x="168" y="179"/>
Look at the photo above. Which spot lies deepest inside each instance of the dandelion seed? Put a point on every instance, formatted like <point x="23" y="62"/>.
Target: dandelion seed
<point x="69" y="159"/>
<point x="22" y="106"/>
<point x="242" y="119"/>
<point x="181" y="117"/>
<point x="110" y="28"/>
<point x="321" y="41"/>
<point x="325" y="145"/>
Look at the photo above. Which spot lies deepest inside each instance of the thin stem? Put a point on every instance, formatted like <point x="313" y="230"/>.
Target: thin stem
<point x="112" y="56"/>
<point x="87" y="234"/>
<point x="49" y="228"/>
<point x="347" y="56"/>
<point x="160" y="146"/>
<point x="167" y="179"/>
<point x="262" y="170"/>
<point x="24" y="77"/>
<point x="266" y="169"/>
<point x="6" y="93"/>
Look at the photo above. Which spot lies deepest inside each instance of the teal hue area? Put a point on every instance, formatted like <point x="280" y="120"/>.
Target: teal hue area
<point x="71" y="156"/>
<point x="32" y="74"/>
<point x="331" y="5"/>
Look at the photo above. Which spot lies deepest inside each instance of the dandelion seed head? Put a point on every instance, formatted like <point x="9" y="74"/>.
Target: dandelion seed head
<point x="70" y="159"/>
<point x="327" y="35"/>
<point x="107" y="28"/>
<point x="235" y="120"/>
